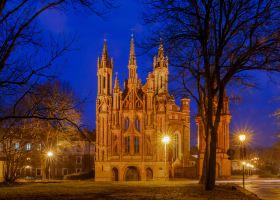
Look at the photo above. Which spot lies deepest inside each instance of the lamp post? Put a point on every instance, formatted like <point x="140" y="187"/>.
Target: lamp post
<point x="165" y="140"/>
<point x="49" y="155"/>
<point x="242" y="138"/>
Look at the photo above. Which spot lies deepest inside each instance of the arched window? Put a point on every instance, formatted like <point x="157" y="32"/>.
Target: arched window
<point x="115" y="145"/>
<point x="127" y="144"/>
<point x="126" y="123"/>
<point x="137" y="124"/>
<point x="136" y="144"/>
<point x="176" y="146"/>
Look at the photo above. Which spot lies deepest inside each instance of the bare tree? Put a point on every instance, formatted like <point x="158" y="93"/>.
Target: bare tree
<point x="213" y="44"/>
<point x="51" y="100"/>
<point x="56" y="100"/>
<point x="26" y="52"/>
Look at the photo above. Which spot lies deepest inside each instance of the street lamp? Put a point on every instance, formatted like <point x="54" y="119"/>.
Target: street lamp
<point x="242" y="138"/>
<point x="49" y="155"/>
<point x="165" y="141"/>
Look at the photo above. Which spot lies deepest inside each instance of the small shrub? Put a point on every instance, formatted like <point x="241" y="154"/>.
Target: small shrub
<point x="80" y="176"/>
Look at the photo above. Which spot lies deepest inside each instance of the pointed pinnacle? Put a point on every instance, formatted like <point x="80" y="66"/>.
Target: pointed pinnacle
<point x="132" y="59"/>
<point x="116" y="81"/>
<point x="105" y="51"/>
<point x="160" y="49"/>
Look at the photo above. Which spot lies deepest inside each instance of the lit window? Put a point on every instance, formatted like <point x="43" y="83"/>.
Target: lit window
<point x="28" y="159"/>
<point x="28" y="147"/>
<point x="17" y="146"/>
<point x="39" y="147"/>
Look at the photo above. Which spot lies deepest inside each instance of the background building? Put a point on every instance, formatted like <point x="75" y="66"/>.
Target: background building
<point x="76" y="155"/>
<point x="130" y="123"/>
<point x="223" y="164"/>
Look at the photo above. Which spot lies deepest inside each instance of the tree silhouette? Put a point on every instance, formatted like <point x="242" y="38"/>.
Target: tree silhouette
<point x="213" y="43"/>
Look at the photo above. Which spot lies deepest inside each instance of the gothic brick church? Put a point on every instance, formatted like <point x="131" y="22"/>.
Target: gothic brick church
<point x="131" y="122"/>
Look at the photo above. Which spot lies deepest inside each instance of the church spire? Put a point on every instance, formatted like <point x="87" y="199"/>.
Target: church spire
<point x="160" y="50"/>
<point x="132" y="58"/>
<point x="105" y="53"/>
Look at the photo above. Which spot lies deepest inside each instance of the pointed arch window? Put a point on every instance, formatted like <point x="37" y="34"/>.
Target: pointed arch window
<point x="136" y="144"/>
<point x="104" y="83"/>
<point x="137" y="124"/>
<point x="127" y="144"/>
<point x="126" y="123"/>
<point x="176" y="146"/>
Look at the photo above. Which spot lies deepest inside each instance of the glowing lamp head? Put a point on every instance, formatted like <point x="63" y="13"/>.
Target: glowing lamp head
<point x="50" y="154"/>
<point x="166" y="139"/>
<point x="242" y="137"/>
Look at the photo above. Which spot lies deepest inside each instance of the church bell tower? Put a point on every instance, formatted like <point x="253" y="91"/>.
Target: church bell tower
<point x="103" y="109"/>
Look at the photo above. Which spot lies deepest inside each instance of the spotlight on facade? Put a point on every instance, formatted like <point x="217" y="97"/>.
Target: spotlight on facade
<point x="50" y="154"/>
<point x="166" y="139"/>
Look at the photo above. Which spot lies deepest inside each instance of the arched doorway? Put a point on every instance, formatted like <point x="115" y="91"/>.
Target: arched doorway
<point x="115" y="174"/>
<point x="132" y="174"/>
<point x="149" y="174"/>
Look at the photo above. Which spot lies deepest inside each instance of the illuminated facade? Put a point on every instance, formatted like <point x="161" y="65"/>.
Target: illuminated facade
<point x="131" y="122"/>
<point x="223" y="164"/>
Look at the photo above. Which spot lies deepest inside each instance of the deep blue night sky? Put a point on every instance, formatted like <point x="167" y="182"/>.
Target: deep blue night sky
<point x="79" y="67"/>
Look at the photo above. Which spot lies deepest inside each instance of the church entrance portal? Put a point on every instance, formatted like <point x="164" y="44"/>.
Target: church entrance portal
<point x="115" y="174"/>
<point x="132" y="174"/>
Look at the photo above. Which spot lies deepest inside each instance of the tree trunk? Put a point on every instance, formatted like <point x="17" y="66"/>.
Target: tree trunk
<point x="206" y="157"/>
<point x="210" y="181"/>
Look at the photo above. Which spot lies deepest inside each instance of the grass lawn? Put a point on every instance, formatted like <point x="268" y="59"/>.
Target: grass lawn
<point x="118" y="190"/>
